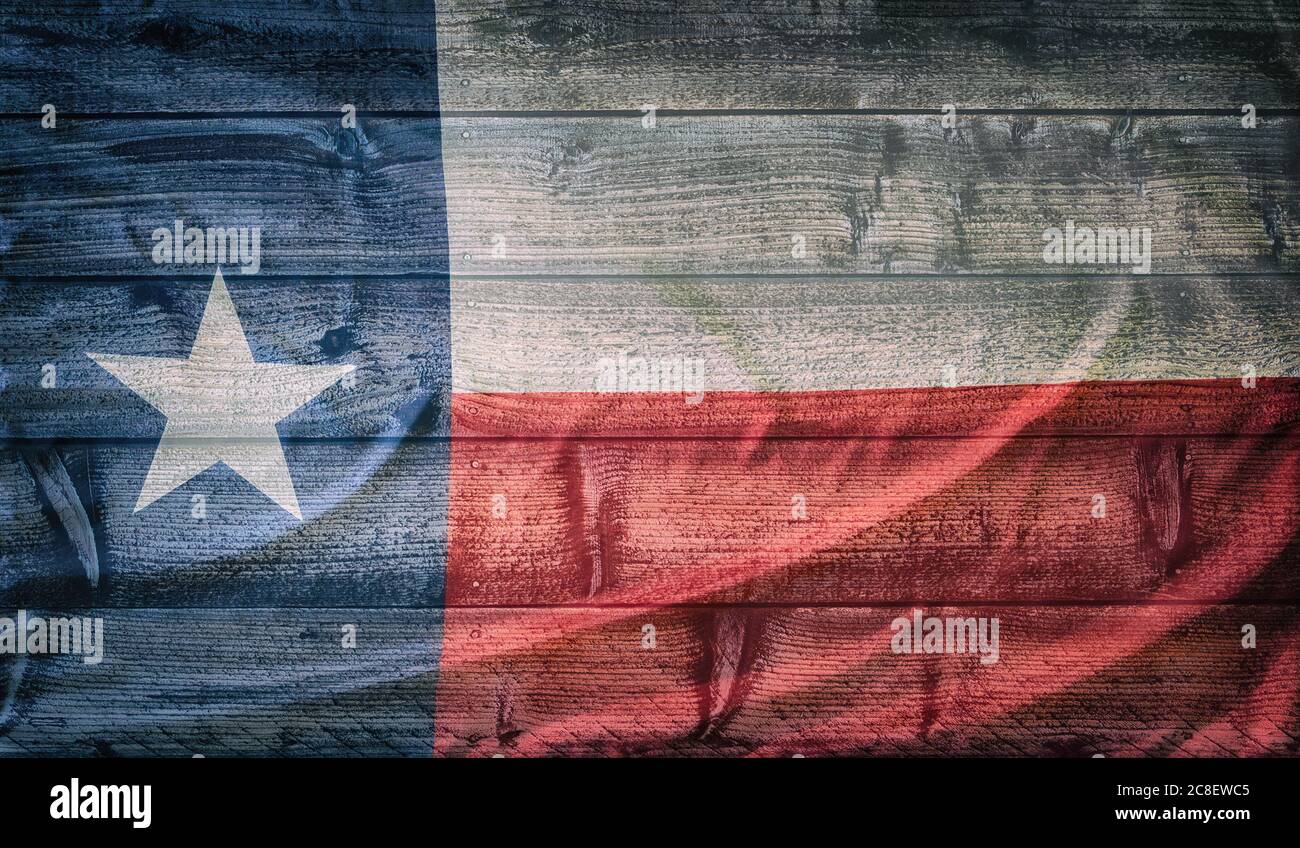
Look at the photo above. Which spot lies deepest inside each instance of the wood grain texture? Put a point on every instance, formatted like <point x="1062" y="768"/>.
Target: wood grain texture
<point x="697" y="195"/>
<point x="1108" y="54"/>
<point x="1070" y="681"/>
<point x="190" y="55"/>
<point x="65" y="500"/>
<point x="234" y="682"/>
<point x="815" y="334"/>
<point x="577" y="234"/>
<point x="374" y="532"/>
<point x="790" y="521"/>
<point x="184" y="55"/>
<point x="1200" y="407"/>
<point x="35" y="546"/>
<point x="85" y="198"/>
<point x="394" y="331"/>
<point x="514" y="335"/>
<point x="729" y="194"/>
<point x="617" y="521"/>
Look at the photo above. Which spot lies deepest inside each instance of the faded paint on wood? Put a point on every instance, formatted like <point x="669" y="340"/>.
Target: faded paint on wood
<point x="615" y="521"/>
<point x="373" y="535"/>
<point x="84" y="199"/>
<point x="238" y="56"/>
<point x="810" y="334"/>
<point x="512" y="335"/>
<point x="1097" y="408"/>
<point x="1201" y="518"/>
<point x="1105" y="54"/>
<point x="1070" y="681"/>
<point x="1124" y="681"/>
<point x="394" y="331"/>
<point x="502" y="54"/>
<point x="730" y="194"/>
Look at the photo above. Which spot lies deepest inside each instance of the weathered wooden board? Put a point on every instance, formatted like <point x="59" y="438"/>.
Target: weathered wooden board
<point x="1157" y="408"/>
<point x="624" y="521"/>
<point x="748" y="228"/>
<point x="514" y="335"/>
<point x="85" y="198"/>
<point x="1107" y="54"/>
<point x="231" y="682"/>
<point x="724" y="194"/>
<point x="617" y="521"/>
<point x="373" y="534"/>
<point x="395" y="331"/>
<point x="1070" y="681"/>
<point x="36" y="540"/>
<point x="814" y="334"/>
<point x="195" y="56"/>
<point x="184" y="55"/>
<point x="732" y="194"/>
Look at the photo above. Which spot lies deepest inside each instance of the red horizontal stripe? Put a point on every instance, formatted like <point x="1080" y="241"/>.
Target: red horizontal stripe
<point x="630" y="515"/>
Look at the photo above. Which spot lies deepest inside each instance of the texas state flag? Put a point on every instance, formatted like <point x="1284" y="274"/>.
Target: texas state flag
<point x="720" y="567"/>
<point x="484" y="455"/>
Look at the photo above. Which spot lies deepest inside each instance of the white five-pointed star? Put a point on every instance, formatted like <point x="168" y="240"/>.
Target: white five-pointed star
<point x="221" y="406"/>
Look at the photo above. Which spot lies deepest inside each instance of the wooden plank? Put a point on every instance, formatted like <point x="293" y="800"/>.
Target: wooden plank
<point x="513" y="335"/>
<point x="698" y="194"/>
<point x="823" y="334"/>
<point x="618" y="521"/>
<point x="233" y="682"/>
<point x="35" y="548"/>
<point x="395" y="331"/>
<point x="1155" y="408"/>
<point x="1188" y="54"/>
<point x="66" y="501"/>
<point x="637" y="521"/>
<point x="733" y="194"/>
<point x="1069" y="681"/>
<point x="85" y="198"/>
<point x="373" y="534"/>
<point x="188" y="55"/>
<point x="499" y="54"/>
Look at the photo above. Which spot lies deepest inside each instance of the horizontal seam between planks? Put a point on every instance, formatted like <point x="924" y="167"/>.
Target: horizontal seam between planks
<point x="614" y="276"/>
<point x="637" y="113"/>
